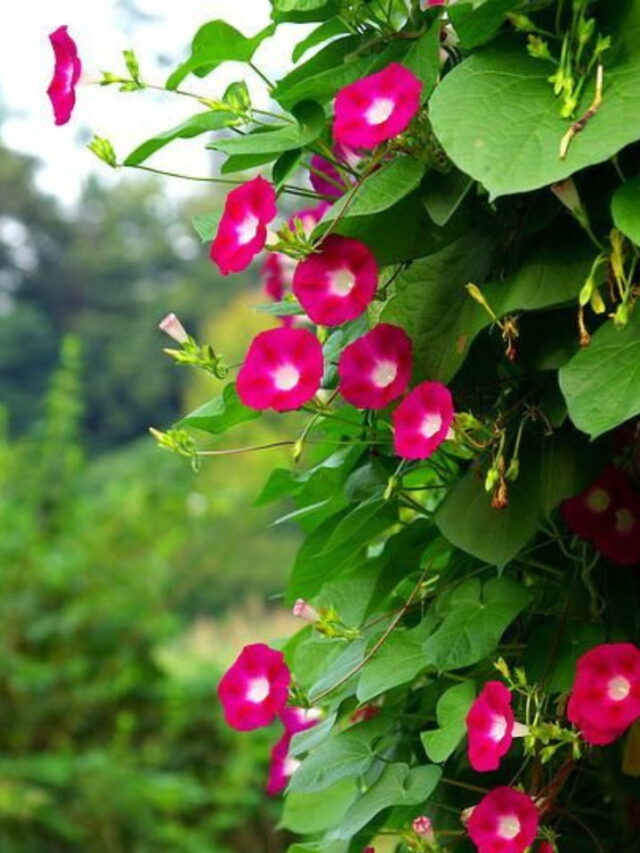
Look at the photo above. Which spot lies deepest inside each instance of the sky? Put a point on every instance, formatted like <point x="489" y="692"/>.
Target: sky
<point x="160" y="32"/>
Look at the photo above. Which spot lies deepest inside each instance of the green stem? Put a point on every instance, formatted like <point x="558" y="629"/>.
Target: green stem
<point x="262" y="76"/>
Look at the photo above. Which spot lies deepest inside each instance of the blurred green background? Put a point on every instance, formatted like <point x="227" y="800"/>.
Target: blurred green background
<point x="127" y="582"/>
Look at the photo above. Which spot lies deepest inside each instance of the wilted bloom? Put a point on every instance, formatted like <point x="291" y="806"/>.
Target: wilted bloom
<point x="282" y="766"/>
<point x="422" y="420"/>
<point x="242" y="231"/>
<point x="490" y="726"/>
<point x="335" y="284"/>
<point x="504" y="821"/>
<point x="66" y="73"/>
<point x="423" y="827"/>
<point x="282" y="370"/>
<point x="303" y="610"/>
<point x="297" y="719"/>
<point x="172" y="326"/>
<point x="377" y="107"/>
<point x="376" y="368"/>
<point x="254" y="690"/>
<point x="605" y="698"/>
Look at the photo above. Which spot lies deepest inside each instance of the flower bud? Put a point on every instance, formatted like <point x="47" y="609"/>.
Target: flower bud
<point x="423" y="827"/>
<point x="172" y="326"/>
<point x="303" y="610"/>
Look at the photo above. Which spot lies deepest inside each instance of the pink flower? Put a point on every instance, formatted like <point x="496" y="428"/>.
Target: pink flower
<point x="618" y="539"/>
<point x="309" y="217"/>
<point x="490" y="727"/>
<point x="282" y="370"/>
<point x="335" y="284"/>
<point x="242" y="231"/>
<point x="423" y="828"/>
<point x="303" y="610"/>
<point x="274" y="276"/>
<point x="504" y="821"/>
<point x="325" y="177"/>
<point x="422" y="420"/>
<point x="605" y="699"/>
<point x="172" y="326"/>
<point x="376" y="368"/>
<point x="299" y="719"/>
<point x="66" y="73"/>
<point x="377" y="107"/>
<point x="254" y="690"/>
<point x="282" y="766"/>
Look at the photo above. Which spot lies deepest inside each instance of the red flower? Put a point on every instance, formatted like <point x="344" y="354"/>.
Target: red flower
<point x="335" y="284"/>
<point x="66" y="73"/>
<point x="422" y="420"/>
<point x="282" y="370"/>
<point x="619" y="539"/>
<point x="361" y="715"/>
<point x="605" y="699"/>
<point x="242" y="231"/>
<point x="591" y="509"/>
<point x="377" y="107"/>
<point x="299" y="719"/>
<point x="504" y="821"/>
<point x="546" y="847"/>
<point x="490" y="726"/>
<point x="282" y="766"/>
<point x="254" y="690"/>
<point x="376" y="368"/>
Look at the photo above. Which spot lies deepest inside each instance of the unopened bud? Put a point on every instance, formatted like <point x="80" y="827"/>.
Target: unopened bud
<point x="519" y="730"/>
<point x="303" y="610"/>
<point x="567" y="194"/>
<point x="423" y="827"/>
<point x="465" y="815"/>
<point x="172" y="326"/>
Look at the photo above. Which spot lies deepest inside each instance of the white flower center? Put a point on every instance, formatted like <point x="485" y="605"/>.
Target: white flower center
<point x="258" y="690"/>
<point x="379" y="111"/>
<point x="508" y="827"/>
<point x="498" y="728"/>
<point x="342" y="282"/>
<point x="618" y="688"/>
<point x="247" y="229"/>
<point x="384" y="373"/>
<point x="431" y="424"/>
<point x="286" y="377"/>
<point x="290" y="766"/>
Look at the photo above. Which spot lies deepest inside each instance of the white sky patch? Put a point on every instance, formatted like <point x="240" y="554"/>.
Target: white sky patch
<point x="101" y="31"/>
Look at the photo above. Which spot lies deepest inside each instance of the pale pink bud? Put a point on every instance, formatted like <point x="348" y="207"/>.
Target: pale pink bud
<point x="567" y="194"/>
<point x="303" y="610"/>
<point x="173" y="327"/>
<point x="423" y="827"/>
<point x="465" y="815"/>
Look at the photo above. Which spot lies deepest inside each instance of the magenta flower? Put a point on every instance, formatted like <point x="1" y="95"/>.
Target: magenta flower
<point x="504" y="821"/>
<point x="546" y="847"/>
<point x="376" y="368"/>
<point x="282" y="766"/>
<point x="325" y="177"/>
<point x="242" y="231"/>
<point x="254" y="690"/>
<point x="605" y="699"/>
<point x="282" y="370"/>
<point x="274" y="275"/>
<point x="490" y="726"/>
<point x="309" y="217"/>
<point x="422" y="420"/>
<point x="66" y="73"/>
<point x="377" y="107"/>
<point x="335" y="284"/>
<point x="297" y="719"/>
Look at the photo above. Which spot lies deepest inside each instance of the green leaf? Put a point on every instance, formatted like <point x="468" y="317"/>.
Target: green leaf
<point x="557" y="672"/>
<point x="476" y="24"/>
<point x="431" y="303"/>
<point x="285" y="166"/>
<point x="423" y="58"/>
<point x="475" y="618"/>
<point x="346" y="754"/>
<point x="327" y="30"/>
<point x="377" y="193"/>
<point x="206" y="225"/>
<point x="625" y="209"/>
<point x="221" y="413"/>
<point x="214" y="43"/>
<point x="301" y="13"/>
<point x="305" y="813"/>
<point x="444" y="193"/>
<point x="242" y="162"/>
<point x="451" y="712"/>
<point x="310" y="117"/>
<point x="398" y="785"/>
<point x="601" y="383"/>
<point x="194" y="126"/>
<point x="298" y="5"/>
<point x="496" y="117"/>
<point x="399" y="660"/>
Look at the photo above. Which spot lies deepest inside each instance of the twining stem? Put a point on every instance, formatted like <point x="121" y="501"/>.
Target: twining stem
<point x="262" y="75"/>
<point x="457" y="784"/>
<point x="377" y="645"/>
